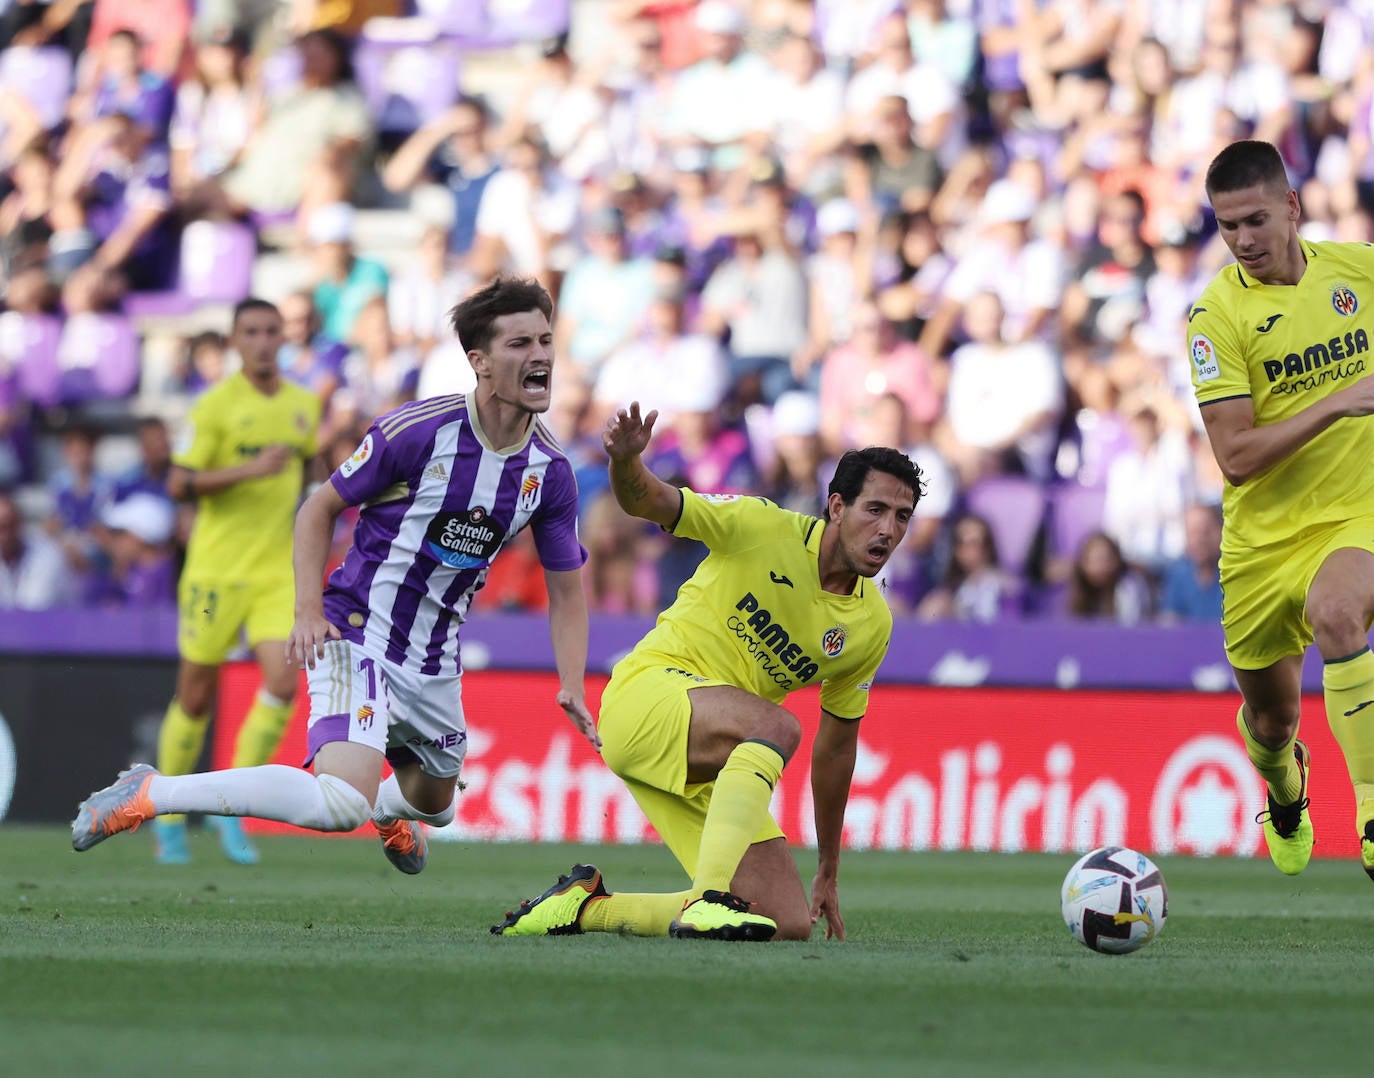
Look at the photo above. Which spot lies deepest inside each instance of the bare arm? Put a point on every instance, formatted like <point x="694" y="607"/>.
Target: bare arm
<point x="639" y="492"/>
<point x="832" y="768"/>
<point x="312" y="538"/>
<point x="407" y="165"/>
<point x="183" y="484"/>
<point x="568" y="629"/>
<point x="1244" y="450"/>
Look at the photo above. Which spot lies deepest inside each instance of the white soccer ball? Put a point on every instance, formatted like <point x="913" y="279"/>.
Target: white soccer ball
<point x="1114" y="900"/>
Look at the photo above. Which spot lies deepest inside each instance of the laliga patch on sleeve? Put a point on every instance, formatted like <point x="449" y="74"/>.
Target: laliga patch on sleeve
<point x="360" y="456"/>
<point x="719" y="499"/>
<point x="1204" y="359"/>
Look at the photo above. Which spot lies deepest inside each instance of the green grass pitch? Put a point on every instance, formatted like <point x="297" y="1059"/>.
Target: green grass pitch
<point x="323" y="960"/>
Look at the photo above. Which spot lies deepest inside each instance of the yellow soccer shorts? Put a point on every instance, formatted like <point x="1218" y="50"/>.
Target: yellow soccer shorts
<point x="1264" y="591"/>
<point x="645" y="716"/>
<point x="213" y="612"/>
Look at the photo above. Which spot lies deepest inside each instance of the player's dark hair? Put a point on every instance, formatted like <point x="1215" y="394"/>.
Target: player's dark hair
<point x="252" y="303"/>
<point x="474" y="318"/>
<point x="1247" y="163"/>
<point x="851" y="471"/>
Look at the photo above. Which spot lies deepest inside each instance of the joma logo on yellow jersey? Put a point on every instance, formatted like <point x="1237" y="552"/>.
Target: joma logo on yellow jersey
<point x="1316" y="356"/>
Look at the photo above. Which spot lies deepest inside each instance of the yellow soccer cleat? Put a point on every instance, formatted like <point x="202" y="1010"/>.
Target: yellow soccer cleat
<point x="120" y="806"/>
<point x="558" y="911"/>
<point x="719" y="915"/>
<point x="405" y="845"/>
<point x="1288" y="828"/>
<point x="1364" y="817"/>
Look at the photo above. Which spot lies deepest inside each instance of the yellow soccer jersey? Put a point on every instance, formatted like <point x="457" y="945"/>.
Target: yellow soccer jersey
<point x="1286" y="347"/>
<point x="244" y="532"/>
<point x="754" y="614"/>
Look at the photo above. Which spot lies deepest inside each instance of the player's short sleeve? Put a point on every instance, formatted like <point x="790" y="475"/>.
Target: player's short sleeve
<point x="375" y="467"/>
<point x="199" y="439"/>
<point x="555" y="525"/>
<point x="846" y="697"/>
<point x="1216" y="357"/>
<point x="729" y="521"/>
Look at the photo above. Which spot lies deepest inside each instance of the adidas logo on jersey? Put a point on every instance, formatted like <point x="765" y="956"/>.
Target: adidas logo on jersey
<point x="437" y="471"/>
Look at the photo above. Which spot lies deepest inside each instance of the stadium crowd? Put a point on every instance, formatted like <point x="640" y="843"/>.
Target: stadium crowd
<point x="972" y="229"/>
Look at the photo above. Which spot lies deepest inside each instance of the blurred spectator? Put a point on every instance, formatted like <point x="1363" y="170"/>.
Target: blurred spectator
<point x="974" y="587"/>
<point x="35" y="76"/>
<point x="564" y="112"/>
<point x="79" y="496"/>
<point x="307" y="150"/>
<point x="344" y="282"/>
<point x="933" y="102"/>
<point x="1190" y="589"/>
<point x="527" y="210"/>
<point x="667" y="367"/>
<point x="694" y="215"/>
<point x="1026" y="274"/>
<point x="308" y="357"/>
<point x="1102" y="586"/>
<point x="603" y="301"/>
<point x="217" y="110"/>
<point x="887" y="169"/>
<point x="139" y="567"/>
<point x="115" y="183"/>
<point x="911" y="281"/>
<point x="794" y="481"/>
<point x="450" y="150"/>
<point x="1004" y="402"/>
<point x="1107" y="295"/>
<point x="204" y="362"/>
<point x="838" y="276"/>
<point x="427" y="288"/>
<point x="721" y="98"/>
<point x="149" y="475"/>
<point x="874" y="362"/>
<point x="911" y="570"/>
<point x="33" y="573"/>
<point x="159" y="27"/>
<point x="122" y="86"/>
<point x="806" y="113"/>
<point x="759" y="297"/>
<point x="378" y="374"/>
<point x="1149" y="487"/>
<point x="346" y="17"/>
<point x="27" y="221"/>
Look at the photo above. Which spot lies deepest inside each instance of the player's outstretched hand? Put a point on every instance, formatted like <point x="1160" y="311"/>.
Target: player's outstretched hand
<point x="307" y="640"/>
<point x="825" y="902"/>
<point x="576" y="709"/>
<point x="627" y="433"/>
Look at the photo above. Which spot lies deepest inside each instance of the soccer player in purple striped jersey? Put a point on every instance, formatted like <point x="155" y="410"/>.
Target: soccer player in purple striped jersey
<point x="444" y="483"/>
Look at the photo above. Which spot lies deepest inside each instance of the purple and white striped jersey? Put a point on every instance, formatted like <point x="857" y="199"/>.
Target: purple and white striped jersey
<point x="438" y="503"/>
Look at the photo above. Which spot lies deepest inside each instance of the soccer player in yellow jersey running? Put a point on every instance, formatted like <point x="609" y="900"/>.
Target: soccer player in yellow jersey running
<point x="1281" y="360"/>
<point x="692" y="720"/>
<point x="242" y="458"/>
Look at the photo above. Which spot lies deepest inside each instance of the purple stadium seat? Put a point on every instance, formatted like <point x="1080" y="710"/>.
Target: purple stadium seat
<point x="1014" y="507"/>
<point x="28" y="344"/>
<point x="406" y="84"/>
<point x="98" y="356"/>
<point x="217" y="261"/>
<point x="488" y="24"/>
<point x="1075" y="513"/>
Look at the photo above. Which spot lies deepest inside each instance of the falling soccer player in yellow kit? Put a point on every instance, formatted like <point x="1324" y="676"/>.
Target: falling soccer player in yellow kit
<point x="1280" y="350"/>
<point x="242" y="459"/>
<point x="692" y="719"/>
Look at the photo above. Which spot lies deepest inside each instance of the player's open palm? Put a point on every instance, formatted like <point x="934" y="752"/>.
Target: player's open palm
<point x="306" y="641"/>
<point x="627" y="433"/>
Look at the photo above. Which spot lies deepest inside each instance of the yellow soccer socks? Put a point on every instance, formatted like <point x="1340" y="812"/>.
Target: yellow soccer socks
<point x="739" y="806"/>
<point x="1276" y="766"/>
<point x="179" y="743"/>
<point x="644" y="914"/>
<point x="1348" y="685"/>
<point x="261" y="731"/>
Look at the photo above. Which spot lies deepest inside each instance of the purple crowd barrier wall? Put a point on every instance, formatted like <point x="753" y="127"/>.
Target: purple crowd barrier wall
<point x="1065" y="655"/>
